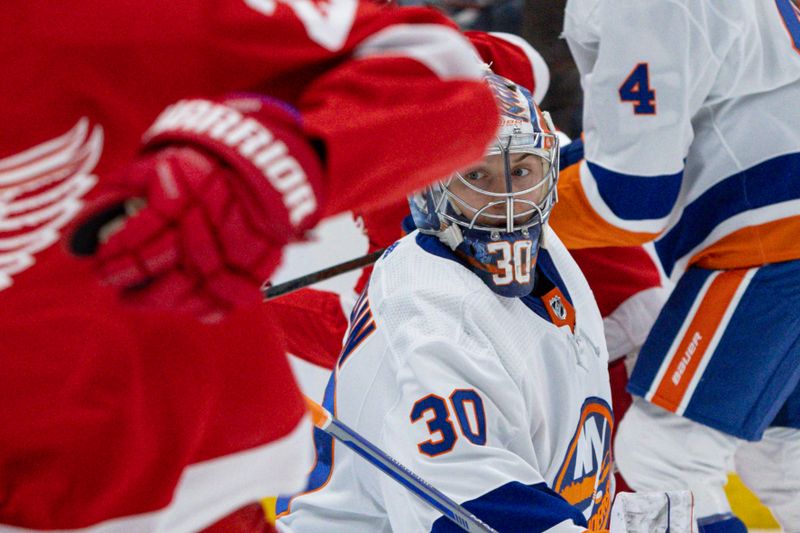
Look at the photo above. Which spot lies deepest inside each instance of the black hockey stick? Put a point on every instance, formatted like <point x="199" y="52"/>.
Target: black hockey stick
<point x="270" y="291"/>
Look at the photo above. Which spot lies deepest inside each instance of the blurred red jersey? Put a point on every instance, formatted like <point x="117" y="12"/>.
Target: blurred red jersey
<point x="118" y="418"/>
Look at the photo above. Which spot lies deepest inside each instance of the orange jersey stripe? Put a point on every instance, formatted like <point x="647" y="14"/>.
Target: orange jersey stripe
<point x="577" y="223"/>
<point x="771" y="242"/>
<point x="696" y="340"/>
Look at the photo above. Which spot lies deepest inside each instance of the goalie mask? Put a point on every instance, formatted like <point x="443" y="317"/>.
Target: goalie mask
<point x="491" y="214"/>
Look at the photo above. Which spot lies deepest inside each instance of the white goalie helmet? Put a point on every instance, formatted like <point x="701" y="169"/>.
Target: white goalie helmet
<point x="507" y="197"/>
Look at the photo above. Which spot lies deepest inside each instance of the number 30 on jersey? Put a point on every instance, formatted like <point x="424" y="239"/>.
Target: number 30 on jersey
<point x="435" y="410"/>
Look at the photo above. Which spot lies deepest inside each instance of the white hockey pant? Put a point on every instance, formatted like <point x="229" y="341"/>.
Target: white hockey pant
<point x="659" y="450"/>
<point x="771" y="469"/>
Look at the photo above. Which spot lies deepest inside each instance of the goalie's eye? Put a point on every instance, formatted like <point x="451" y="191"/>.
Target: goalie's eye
<point x="520" y="172"/>
<point x="474" y="175"/>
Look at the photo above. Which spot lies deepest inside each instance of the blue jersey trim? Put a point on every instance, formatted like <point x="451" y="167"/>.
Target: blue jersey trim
<point x="432" y="245"/>
<point x="356" y="337"/>
<point x="633" y="197"/>
<point x="323" y="444"/>
<point x="544" y="262"/>
<point x="358" y="307"/>
<point x="721" y="523"/>
<point x="517" y="507"/>
<point x="358" y="331"/>
<point x="773" y="181"/>
<point x="790" y="18"/>
<point x="548" y="268"/>
<point x="571" y="154"/>
<point x="407" y="225"/>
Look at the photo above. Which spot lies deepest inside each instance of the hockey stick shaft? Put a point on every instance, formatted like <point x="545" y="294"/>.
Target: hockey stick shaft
<point x="416" y="485"/>
<point x="270" y="291"/>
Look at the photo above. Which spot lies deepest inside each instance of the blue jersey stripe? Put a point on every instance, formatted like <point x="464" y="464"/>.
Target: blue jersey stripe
<point x="773" y="181"/>
<point x="355" y="338"/>
<point x="721" y="523"/>
<point x="571" y="153"/>
<point x="548" y="267"/>
<point x="358" y="306"/>
<point x="517" y="507"/>
<point x="323" y="443"/>
<point x="632" y="197"/>
<point x="790" y="18"/>
<point x="767" y="310"/>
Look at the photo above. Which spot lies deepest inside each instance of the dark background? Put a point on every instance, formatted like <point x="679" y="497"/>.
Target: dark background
<point x="540" y="23"/>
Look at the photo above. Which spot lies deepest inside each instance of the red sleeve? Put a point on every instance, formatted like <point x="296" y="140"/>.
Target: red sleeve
<point x="313" y="323"/>
<point x="160" y="423"/>
<point x="514" y="58"/>
<point x="394" y="97"/>
<point x="616" y="273"/>
<point x="137" y="422"/>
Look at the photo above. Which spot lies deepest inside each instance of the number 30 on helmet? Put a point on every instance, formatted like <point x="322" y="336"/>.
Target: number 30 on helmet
<point x="491" y="214"/>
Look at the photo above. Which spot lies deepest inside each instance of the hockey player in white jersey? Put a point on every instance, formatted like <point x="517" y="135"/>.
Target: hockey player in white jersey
<point x="692" y="139"/>
<point x="476" y="358"/>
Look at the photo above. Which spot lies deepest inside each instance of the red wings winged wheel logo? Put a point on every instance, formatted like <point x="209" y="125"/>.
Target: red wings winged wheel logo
<point x="41" y="190"/>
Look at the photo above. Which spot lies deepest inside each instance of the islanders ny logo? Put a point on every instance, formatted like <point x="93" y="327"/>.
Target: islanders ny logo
<point x="584" y="478"/>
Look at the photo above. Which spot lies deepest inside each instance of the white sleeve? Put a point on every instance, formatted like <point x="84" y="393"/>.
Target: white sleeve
<point x="463" y="424"/>
<point x="646" y="68"/>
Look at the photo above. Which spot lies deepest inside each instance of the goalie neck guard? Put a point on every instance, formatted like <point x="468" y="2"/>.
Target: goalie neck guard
<point x="492" y="214"/>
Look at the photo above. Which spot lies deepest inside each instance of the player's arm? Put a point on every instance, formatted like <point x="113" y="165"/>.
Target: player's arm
<point x="461" y="422"/>
<point x="313" y="322"/>
<point x="514" y="58"/>
<point x="645" y="67"/>
<point x="364" y="105"/>
<point x="469" y="436"/>
<point x="391" y="98"/>
<point x="397" y="102"/>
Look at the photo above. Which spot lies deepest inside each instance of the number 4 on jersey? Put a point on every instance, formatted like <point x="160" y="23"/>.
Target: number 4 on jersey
<point x="636" y="89"/>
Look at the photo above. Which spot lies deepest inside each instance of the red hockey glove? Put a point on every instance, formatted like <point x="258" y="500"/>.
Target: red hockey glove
<point x="198" y="221"/>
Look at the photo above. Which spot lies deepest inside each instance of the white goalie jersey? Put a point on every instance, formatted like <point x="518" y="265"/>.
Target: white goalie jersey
<point x="501" y="403"/>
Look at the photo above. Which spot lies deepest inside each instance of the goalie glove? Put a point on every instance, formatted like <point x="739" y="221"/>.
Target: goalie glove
<point x="197" y="222"/>
<point x="653" y="512"/>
